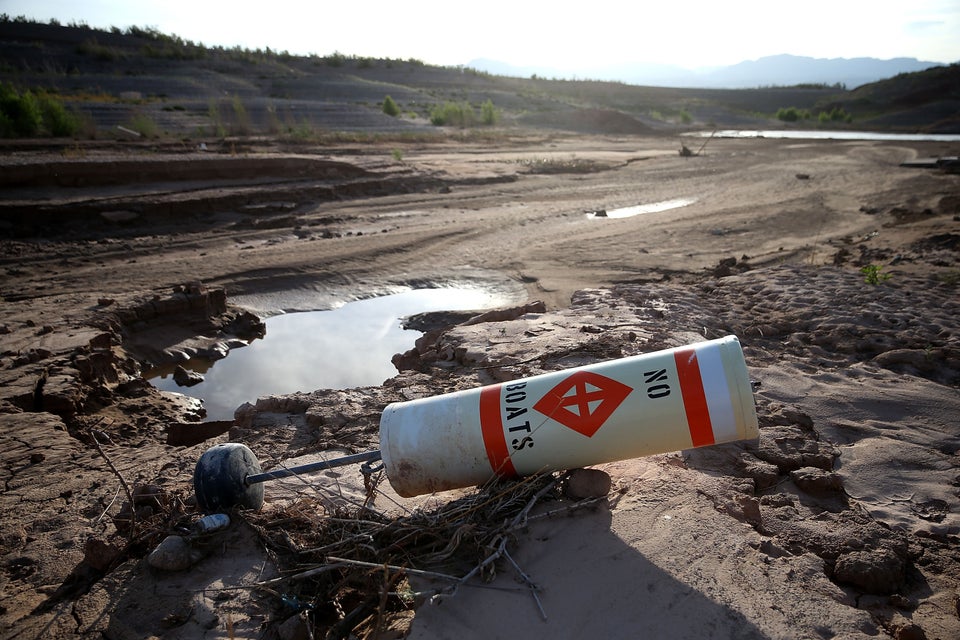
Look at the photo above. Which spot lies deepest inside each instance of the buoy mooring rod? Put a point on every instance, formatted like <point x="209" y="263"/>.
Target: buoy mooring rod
<point x="276" y="474"/>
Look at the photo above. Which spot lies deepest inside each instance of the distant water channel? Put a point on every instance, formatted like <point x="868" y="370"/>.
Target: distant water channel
<point x="350" y="346"/>
<point x="817" y="134"/>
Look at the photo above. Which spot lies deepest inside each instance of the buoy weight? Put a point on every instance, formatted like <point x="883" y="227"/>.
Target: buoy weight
<point x="220" y="479"/>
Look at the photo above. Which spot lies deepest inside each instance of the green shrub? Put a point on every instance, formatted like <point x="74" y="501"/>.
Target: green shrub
<point x="144" y="125"/>
<point x="241" y="124"/>
<point x="685" y="116"/>
<point x="837" y="114"/>
<point x="27" y="114"/>
<point x="20" y="115"/>
<point x="98" y="51"/>
<point x="792" y="114"/>
<point x="873" y="274"/>
<point x="213" y="111"/>
<point x="57" y="121"/>
<point x="488" y="113"/>
<point x="335" y="59"/>
<point x="390" y="107"/>
<point x="453" y="114"/>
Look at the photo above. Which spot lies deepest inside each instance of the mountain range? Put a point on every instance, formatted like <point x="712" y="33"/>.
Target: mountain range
<point x="780" y="70"/>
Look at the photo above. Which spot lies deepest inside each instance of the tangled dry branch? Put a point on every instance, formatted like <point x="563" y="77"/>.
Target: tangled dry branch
<point x="347" y="568"/>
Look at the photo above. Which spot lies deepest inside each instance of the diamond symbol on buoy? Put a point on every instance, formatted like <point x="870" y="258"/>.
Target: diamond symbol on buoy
<point x="583" y="402"/>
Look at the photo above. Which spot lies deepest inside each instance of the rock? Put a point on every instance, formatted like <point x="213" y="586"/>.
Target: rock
<point x="173" y="554"/>
<point x="587" y="483"/>
<point x="816" y="481"/>
<point x="878" y="572"/>
<point x="185" y="378"/>
<point x="909" y="631"/>
<point x="764" y="474"/>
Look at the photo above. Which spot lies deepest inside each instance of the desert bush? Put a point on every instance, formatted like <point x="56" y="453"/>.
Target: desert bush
<point x="874" y="274"/>
<point x="31" y="114"/>
<point x="144" y="125"/>
<point x="241" y="120"/>
<point x="216" y="118"/>
<point x="792" y="114"/>
<point x="98" y="51"/>
<point x="837" y="114"/>
<point x="488" y="113"/>
<point x="453" y="114"/>
<point x="335" y="59"/>
<point x="57" y="120"/>
<point x="685" y="116"/>
<point x="390" y="107"/>
<point x="19" y="113"/>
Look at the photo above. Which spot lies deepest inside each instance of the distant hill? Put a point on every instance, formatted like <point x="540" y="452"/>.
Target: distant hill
<point x="141" y="84"/>
<point x="782" y="70"/>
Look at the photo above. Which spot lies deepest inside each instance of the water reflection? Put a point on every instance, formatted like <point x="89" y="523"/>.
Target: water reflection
<point x="653" y="207"/>
<point x="346" y="347"/>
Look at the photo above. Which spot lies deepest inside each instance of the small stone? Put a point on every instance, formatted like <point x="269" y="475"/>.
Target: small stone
<point x="173" y="554"/>
<point x="186" y="378"/>
<point x="816" y="481"/>
<point x="587" y="483"/>
<point x="878" y="572"/>
<point x="37" y="458"/>
<point x="910" y="631"/>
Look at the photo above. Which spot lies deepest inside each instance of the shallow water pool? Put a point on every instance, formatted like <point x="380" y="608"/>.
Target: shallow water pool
<point x="350" y="346"/>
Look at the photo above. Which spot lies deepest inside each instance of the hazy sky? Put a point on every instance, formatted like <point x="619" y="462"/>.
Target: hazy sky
<point x="566" y="35"/>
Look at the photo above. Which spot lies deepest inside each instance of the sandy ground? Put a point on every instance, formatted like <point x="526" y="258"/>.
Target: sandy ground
<point x="841" y="521"/>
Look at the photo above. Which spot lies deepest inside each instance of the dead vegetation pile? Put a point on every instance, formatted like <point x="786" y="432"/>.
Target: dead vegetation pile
<point x="349" y="570"/>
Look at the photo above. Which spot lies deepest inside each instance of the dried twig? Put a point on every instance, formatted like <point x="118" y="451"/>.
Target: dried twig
<point x="123" y="483"/>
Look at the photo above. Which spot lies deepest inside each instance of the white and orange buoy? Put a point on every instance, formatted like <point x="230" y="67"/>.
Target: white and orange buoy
<point x="669" y="400"/>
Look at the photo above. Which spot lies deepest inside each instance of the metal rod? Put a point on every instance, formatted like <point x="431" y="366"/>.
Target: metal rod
<point x="369" y="456"/>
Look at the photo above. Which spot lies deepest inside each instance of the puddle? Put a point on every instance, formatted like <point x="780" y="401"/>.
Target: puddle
<point x="653" y="207"/>
<point x="350" y="346"/>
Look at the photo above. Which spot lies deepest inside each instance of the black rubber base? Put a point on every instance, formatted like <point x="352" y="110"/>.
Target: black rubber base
<point x="219" y="479"/>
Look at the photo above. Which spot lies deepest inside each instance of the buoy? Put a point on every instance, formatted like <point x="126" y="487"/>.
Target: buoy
<point x="659" y="402"/>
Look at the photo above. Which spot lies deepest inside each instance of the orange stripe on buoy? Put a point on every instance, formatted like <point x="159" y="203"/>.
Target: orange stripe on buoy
<point x="491" y="426"/>
<point x="694" y="399"/>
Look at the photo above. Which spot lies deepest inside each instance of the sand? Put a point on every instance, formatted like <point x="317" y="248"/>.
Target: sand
<point x="840" y="521"/>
